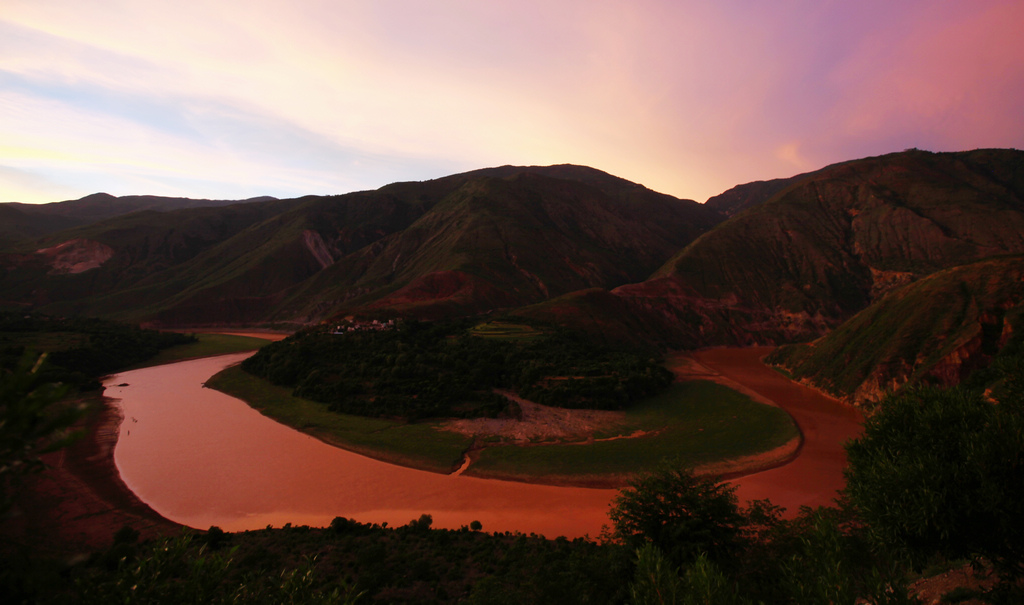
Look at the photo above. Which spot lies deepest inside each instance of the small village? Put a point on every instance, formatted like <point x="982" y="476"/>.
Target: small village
<point x="353" y="325"/>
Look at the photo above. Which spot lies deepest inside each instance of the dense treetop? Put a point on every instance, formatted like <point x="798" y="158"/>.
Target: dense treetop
<point x="422" y="369"/>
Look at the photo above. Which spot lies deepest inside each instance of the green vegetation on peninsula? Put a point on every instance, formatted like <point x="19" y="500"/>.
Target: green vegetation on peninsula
<point x="698" y="423"/>
<point x="418" y="445"/>
<point x="416" y="370"/>
<point x="393" y="392"/>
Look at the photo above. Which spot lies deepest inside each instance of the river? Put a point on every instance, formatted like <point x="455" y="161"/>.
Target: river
<point x="815" y="475"/>
<point x="201" y="458"/>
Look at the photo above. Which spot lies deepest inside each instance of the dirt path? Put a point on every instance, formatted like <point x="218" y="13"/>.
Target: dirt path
<point x="816" y="474"/>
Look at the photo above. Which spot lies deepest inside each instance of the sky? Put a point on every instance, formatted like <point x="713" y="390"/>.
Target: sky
<point x="229" y="99"/>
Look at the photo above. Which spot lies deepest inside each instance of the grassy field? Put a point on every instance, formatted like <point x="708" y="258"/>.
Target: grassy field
<point x="208" y="346"/>
<point x="418" y="445"/>
<point x="696" y="423"/>
<point x="503" y="330"/>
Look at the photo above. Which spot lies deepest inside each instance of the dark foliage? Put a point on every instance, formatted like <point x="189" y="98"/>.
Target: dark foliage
<point x="939" y="472"/>
<point x="32" y="422"/>
<point x="346" y="562"/>
<point x="81" y="349"/>
<point x="819" y="557"/>
<point x="683" y="515"/>
<point x="439" y="369"/>
<point x="693" y="539"/>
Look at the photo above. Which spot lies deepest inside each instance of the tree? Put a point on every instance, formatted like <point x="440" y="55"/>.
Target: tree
<point x="940" y="471"/>
<point x="422" y="524"/>
<point x="683" y="515"/>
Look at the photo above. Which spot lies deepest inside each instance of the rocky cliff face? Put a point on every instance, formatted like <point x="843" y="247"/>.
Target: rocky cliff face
<point x="76" y="256"/>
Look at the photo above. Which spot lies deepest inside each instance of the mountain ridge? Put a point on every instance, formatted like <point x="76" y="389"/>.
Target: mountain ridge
<point x="302" y="259"/>
<point x="566" y="244"/>
<point x="42" y="219"/>
<point x="822" y="248"/>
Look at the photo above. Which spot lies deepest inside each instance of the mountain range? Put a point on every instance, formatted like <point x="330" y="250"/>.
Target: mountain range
<point x="832" y="242"/>
<point x="468" y="243"/>
<point x="785" y="260"/>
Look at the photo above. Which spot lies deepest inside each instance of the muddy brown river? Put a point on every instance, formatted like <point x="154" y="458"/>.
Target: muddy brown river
<point x="201" y="458"/>
<point x="813" y="478"/>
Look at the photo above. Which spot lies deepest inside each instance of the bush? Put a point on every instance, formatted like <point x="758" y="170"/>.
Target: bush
<point x="681" y="514"/>
<point x="939" y="472"/>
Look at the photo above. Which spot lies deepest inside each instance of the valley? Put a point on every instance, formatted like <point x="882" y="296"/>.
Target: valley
<point x="477" y="347"/>
<point x="93" y="482"/>
<point x="165" y="434"/>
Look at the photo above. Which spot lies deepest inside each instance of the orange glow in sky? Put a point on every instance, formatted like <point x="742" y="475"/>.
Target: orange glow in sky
<point x="211" y="98"/>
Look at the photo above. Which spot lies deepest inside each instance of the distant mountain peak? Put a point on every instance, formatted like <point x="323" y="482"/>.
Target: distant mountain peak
<point x="94" y="197"/>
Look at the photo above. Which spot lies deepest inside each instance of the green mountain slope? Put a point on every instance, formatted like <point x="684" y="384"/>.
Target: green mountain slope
<point x="230" y="264"/>
<point x="504" y="242"/>
<point x="466" y="243"/>
<point x="565" y="243"/>
<point x="741" y="197"/>
<point x="935" y="330"/>
<point x="71" y="267"/>
<point x="832" y="242"/>
<point x="17" y="225"/>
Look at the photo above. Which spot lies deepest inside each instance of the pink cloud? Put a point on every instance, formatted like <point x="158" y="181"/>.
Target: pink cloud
<point x="684" y="96"/>
<point x="958" y="82"/>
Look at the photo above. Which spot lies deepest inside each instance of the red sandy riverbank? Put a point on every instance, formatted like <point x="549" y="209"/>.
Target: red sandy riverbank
<point x="80" y="501"/>
<point x="78" y="504"/>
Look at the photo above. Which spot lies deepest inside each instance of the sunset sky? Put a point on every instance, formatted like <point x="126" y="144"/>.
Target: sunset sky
<point x="229" y="99"/>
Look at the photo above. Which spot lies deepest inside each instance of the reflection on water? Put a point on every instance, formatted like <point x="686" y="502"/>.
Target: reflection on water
<point x="201" y="458"/>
